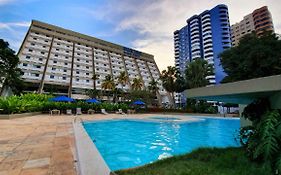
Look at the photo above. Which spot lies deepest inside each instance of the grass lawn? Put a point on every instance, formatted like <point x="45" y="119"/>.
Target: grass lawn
<point x="204" y="161"/>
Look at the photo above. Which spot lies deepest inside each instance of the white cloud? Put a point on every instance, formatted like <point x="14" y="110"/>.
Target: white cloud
<point x="157" y="20"/>
<point x="14" y="32"/>
<point x="4" y="2"/>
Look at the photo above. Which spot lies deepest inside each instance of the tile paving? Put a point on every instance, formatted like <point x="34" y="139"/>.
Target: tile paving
<point x="37" y="145"/>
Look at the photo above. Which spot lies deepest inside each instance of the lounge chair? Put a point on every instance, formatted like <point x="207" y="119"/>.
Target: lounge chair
<point x="91" y="111"/>
<point x="78" y="111"/>
<point x="131" y="111"/>
<point x="103" y="112"/>
<point x="69" y="112"/>
<point x="120" y="111"/>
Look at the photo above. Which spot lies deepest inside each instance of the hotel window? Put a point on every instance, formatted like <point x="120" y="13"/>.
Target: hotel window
<point x="38" y="67"/>
<point x="40" y="59"/>
<point x="58" y="44"/>
<point x="64" y="70"/>
<point x="67" y="46"/>
<point x="42" y="53"/>
<point x="44" y="46"/>
<point x="46" y="41"/>
<point x="78" y="53"/>
<point x="87" y="81"/>
<point x="87" y="67"/>
<point x="87" y="73"/>
<point x="32" y="44"/>
<point x="87" y="61"/>
<point x="35" y="38"/>
<point x="77" y="65"/>
<point x="77" y="79"/>
<point x="36" y="75"/>
<point x="30" y="50"/>
<point x="78" y="59"/>
<point x="54" y="61"/>
<point x="27" y="57"/>
<point x="77" y="72"/>
<point x="57" y="49"/>
<point x="87" y="55"/>
<point x="59" y="39"/>
<point x="56" y="55"/>
<point x="65" y="64"/>
<point x="64" y="78"/>
<point x="78" y="48"/>
<point x="67" y="51"/>
<point x="52" y="76"/>
<point x="53" y="68"/>
<point x="24" y="64"/>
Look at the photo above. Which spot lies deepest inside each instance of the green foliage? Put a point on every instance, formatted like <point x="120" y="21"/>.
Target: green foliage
<point x="144" y="95"/>
<point x="254" y="57"/>
<point x="40" y="103"/>
<point x="200" y="106"/>
<point x="203" y="161"/>
<point x="196" y="73"/>
<point x="9" y="72"/>
<point x="137" y="84"/>
<point x="262" y="140"/>
<point x="23" y="103"/>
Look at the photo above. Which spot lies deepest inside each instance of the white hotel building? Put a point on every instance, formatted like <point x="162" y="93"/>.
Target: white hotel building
<point x="53" y="58"/>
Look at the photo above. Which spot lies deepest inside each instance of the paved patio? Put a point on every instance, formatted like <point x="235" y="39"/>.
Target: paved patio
<point x="37" y="145"/>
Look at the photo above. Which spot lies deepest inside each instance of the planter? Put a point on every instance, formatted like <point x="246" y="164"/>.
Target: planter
<point x="13" y="116"/>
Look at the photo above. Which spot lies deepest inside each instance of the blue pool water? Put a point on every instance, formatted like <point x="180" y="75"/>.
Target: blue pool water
<point x="129" y="143"/>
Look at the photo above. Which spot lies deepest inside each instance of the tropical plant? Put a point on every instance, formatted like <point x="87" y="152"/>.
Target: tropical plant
<point x="153" y="86"/>
<point x="123" y="79"/>
<point x="94" y="78"/>
<point x="137" y="84"/>
<point x="143" y="95"/>
<point x="262" y="140"/>
<point x="108" y="84"/>
<point x="196" y="73"/>
<point x="168" y="78"/>
<point x="92" y="93"/>
<point x="254" y="57"/>
<point x="10" y="74"/>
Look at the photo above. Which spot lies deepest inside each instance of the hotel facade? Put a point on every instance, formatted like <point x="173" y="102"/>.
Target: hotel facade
<point x="55" y="58"/>
<point x="259" y="21"/>
<point x="204" y="36"/>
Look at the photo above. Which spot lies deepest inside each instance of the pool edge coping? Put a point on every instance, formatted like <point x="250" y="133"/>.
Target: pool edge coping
<point x="89" y="160"/>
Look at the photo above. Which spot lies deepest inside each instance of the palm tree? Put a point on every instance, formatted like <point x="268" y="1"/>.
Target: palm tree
<point x="108" y="84"/>
<point x="168" y="78"/>
<point x="196" y="73"/>
<point x="123" y="79"/>
<point x="153" y="86"/>
<point x="10" y="74"/>
<point x="137" y="84"/>
<point x="94" y="78"/>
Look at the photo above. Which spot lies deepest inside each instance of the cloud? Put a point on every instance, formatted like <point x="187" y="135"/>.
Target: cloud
<point x="4" y="2"/>
<point x="155" y="21"/>
<point x="14" y="32"/>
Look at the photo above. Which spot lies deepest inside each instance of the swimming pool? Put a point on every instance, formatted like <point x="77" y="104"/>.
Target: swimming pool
<point x="130" y="143"/>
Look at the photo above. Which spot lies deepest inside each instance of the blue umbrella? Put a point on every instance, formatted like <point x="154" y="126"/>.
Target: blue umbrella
<point x="92" y="101"/>
<point x="138" y="102"/>
<point x="62" y="99"/>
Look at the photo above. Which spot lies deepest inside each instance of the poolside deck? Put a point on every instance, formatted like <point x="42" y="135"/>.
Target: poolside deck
<point x="43" y="144"/>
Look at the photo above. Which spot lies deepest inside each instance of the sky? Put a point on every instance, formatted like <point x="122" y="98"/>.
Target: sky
<point x="145" y="25"/>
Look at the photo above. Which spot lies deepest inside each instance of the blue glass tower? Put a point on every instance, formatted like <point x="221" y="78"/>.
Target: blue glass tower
<point x="205" y="36"/>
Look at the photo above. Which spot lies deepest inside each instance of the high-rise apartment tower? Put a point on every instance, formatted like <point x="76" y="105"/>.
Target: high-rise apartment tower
<point x="204" y="36"/>
<point x="259" y="21"/>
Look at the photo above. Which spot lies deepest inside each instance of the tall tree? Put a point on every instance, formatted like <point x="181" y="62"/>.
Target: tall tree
<point x="168" y="78"/>
<point x="196" y="73"/>
<point x="137" y="84"/>
<point x="108" y="85"/>
<point x="94" y="78"/>
<point x="254" y="57"/>
<point x="10" y="74"/>
<point x="154" y="89"/>
<point x="123" y="79"/>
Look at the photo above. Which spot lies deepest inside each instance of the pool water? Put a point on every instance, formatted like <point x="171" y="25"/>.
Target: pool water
<point x="129" y="143"/>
